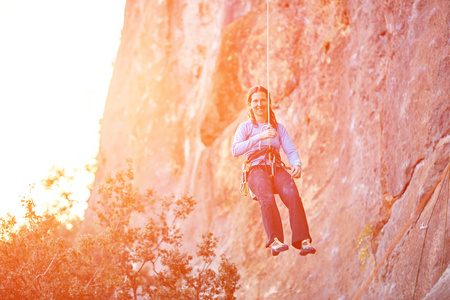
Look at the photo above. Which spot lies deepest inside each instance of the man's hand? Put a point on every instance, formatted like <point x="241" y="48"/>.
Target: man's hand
<point x="296" y="172"/>
<point x="268" y="134"/>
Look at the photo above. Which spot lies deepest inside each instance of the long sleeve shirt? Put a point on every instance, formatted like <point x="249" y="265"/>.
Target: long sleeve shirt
<point x="247" y="138"/>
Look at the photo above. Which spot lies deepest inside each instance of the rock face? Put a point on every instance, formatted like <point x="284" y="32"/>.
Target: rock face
<point x="363" y="89"/>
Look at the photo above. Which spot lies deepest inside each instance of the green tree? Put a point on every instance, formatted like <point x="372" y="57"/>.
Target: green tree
<point x="120" y="259"/>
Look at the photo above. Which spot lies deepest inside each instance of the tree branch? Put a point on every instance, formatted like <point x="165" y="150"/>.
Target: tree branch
<point x="93" y="276"/>
<point x="47" y="267"/>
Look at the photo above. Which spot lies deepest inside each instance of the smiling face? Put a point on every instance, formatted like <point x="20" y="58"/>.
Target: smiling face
<point x="259" y="106"/>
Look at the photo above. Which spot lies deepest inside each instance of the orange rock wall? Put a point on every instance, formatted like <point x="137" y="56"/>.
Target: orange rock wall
<point x="363" y="88"/>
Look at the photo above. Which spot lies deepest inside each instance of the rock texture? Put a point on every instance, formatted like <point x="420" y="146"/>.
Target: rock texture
<point x="363" y="88"/>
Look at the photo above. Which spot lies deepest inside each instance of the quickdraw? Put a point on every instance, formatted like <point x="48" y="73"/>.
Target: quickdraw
<point x="244" y="184"/>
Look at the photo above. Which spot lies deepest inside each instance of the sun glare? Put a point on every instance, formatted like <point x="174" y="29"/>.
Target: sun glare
<point x="55" y="66"/>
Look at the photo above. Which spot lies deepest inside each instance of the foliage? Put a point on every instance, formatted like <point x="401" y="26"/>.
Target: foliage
<point x="63" y="203"/>
<point x="120" y="260"/>
<point x="62" y="184"/>
<point x="363" y="244"/>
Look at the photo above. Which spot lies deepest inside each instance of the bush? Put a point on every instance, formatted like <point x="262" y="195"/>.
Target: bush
<point x="118" y="260"/>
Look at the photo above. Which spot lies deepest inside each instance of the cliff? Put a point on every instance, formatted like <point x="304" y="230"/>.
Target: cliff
<point x="363" y="89"/>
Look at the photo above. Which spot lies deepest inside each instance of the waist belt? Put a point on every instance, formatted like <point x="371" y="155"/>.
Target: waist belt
<point x="270" y="154"/>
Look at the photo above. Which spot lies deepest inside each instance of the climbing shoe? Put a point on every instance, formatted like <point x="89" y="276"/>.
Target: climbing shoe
<point x="307" y="248"/>
<point x="276" y="247"/>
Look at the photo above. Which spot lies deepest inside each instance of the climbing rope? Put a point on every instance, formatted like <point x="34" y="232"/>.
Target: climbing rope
<point x="244" y="189"/>
<point x="268" y="76"/>
<point x="271" y="157"/>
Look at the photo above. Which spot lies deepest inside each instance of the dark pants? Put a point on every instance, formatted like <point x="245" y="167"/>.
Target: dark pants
<point x="263" y="185"/>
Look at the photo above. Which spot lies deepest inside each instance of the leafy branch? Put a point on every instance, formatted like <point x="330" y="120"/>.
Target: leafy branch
<point x="122" y="258"/>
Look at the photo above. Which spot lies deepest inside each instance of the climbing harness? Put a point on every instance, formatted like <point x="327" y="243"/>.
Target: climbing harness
<point x="271" y="155"/>
<point x="244" y="189"/>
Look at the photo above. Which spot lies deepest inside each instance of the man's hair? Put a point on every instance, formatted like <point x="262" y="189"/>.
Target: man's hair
<point x="251" y="115"/>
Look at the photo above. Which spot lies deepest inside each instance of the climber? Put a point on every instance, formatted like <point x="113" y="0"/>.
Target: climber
<point x="267" y="175"/>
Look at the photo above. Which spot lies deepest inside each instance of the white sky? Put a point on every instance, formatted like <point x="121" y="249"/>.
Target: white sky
<point x="55" y="66"/>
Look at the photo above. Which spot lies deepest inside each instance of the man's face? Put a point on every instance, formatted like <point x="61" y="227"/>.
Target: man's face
<point x="259" y="106"/>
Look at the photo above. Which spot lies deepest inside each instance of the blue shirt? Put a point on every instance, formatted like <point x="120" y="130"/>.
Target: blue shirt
<point x="247" y="140"/>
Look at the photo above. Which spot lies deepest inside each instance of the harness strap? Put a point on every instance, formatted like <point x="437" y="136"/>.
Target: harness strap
<point x="269" y="154"/>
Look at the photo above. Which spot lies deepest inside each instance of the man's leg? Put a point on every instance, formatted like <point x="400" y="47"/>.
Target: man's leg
<point x="260" y="183"/>
<point x="288" y="192"/>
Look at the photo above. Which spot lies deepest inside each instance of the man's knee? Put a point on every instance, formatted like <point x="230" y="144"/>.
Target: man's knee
<point x="266" y="200"/>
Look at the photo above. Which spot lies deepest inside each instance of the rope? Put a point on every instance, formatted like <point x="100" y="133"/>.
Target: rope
<point x="419" y="209"/>
<point x="268" y="78"/>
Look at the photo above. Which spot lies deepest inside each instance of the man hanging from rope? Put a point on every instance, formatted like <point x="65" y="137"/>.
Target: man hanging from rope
<point x="260" y="140"/>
